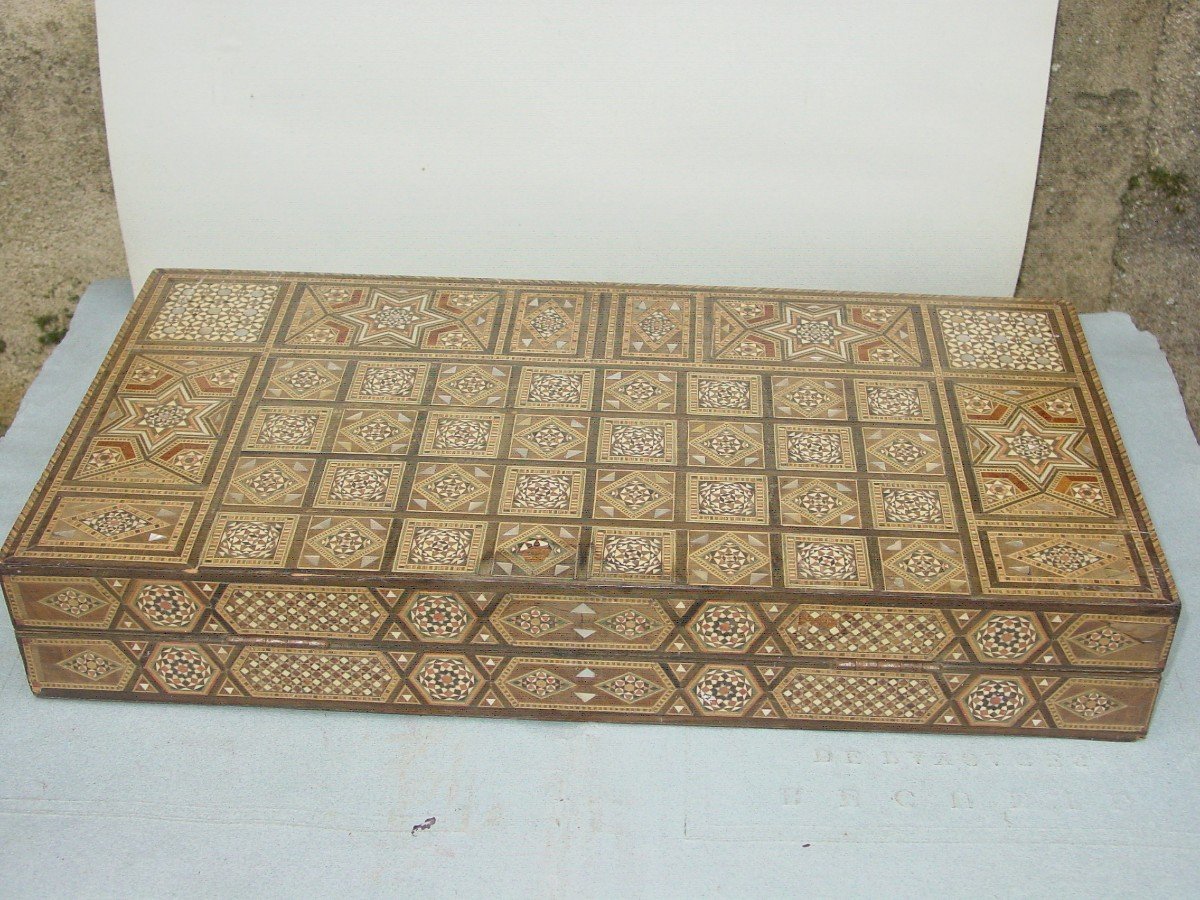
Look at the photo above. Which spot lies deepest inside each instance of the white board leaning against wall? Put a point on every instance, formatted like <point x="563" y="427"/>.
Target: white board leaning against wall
<point x="870" y="145"/>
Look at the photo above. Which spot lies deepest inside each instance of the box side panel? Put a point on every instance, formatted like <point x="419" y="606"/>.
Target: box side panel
<point x="1124" y="468"/>
<point x="635" y="625"/>
<point x="518" y="684"/>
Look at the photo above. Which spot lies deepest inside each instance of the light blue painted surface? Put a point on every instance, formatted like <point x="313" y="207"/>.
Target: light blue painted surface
<point x="119" y="799"/>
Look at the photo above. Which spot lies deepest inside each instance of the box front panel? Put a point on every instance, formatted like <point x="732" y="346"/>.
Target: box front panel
<point x="512" y="683"/>
<point x="628" y="622"/>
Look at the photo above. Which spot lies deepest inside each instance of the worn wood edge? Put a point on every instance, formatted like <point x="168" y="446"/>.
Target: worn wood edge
<point x="604" y="718"/>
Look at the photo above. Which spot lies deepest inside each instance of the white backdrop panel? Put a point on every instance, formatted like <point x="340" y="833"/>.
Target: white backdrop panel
<point x="859" y="145"/>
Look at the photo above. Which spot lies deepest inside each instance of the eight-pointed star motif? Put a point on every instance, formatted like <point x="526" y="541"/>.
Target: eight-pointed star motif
<point x="402" y="319"/>
<point x="168" y="416"/>
<point x="815" y="332"/>
<point x="1040" y="453"/>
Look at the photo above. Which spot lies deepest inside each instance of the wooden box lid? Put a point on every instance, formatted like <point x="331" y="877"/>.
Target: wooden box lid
<point x="586" y="437"/>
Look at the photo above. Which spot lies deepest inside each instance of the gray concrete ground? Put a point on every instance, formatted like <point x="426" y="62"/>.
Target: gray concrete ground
<point x="58" y="221"/>
<point x="1115" y="221"/>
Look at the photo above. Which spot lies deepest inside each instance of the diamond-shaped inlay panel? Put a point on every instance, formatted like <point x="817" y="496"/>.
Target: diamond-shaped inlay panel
<point x="533" y="549"/>
<point x="74" y="603"/>
<point x="344" y="542"/>
<point x="90" y="665"/>
<point x="823" y="502"/>
<point x="451" y="487"/>
<point x="584" y="684"/>
<point x="478" y="385"/>
<point x="729" y="557"/>
<point x="725" y="444"/>
<point x="549" y="437"/>
<point x="638" y="390"/>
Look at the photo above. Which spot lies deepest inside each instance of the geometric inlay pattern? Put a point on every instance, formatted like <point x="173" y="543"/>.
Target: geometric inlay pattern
<point x="1022" y="341"/>
<point x="1031" y="452"/>
<point x="1091" y="704"/>
<point x="354" y="675"/>
<point x="446" y="679"/>
<point x="73" y="602"/>
<point x="726" y="626"/>
<point x="215" y="311"/>
<point x="634" y="494"/>
<point x="1007" y="637"/>
<point x="823" y="502"/>
<point x="183" y="668"/>
<point x="819" y="560"/>
<point x="875" y="634"/>
<point x="996" y="700"/>
<point x="278" y="610"/>
<point x="90" y="665"/>
<point x="167" y="606"/>
<point x="728" y="557"/>
<point x="912" y="505"/>
<point x="438" y="617"/>
<point x="722" y="690"/>
<point x="876" y="697"/>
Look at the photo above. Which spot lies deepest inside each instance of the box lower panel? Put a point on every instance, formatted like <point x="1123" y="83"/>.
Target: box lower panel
<point x="608" y="687"/>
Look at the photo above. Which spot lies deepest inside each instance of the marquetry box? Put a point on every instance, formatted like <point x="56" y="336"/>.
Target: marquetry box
<point x="597" y="501"/>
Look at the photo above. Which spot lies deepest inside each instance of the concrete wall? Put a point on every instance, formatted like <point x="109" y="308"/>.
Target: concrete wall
<point x="1114" y="223"/>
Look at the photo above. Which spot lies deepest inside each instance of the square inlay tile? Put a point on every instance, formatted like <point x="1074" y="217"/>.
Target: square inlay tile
<point x="632" y="441"/>
<point x="555" y="388"/>
<point x="386" y="381"/>
<point x="471" y="435"/>
<point x="717" y="497"/>
<point x="723" y="394"/>
<point x="634" y="494"/>
<point x="563" y="437"/>
<point x="826" y="447"/>
<point x="541" y="491"/>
